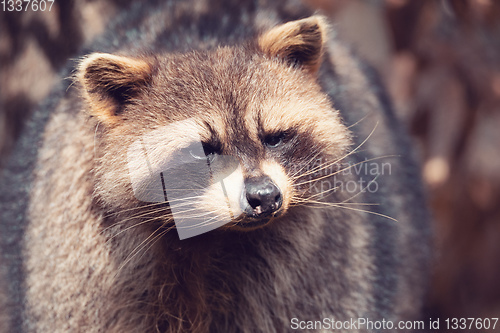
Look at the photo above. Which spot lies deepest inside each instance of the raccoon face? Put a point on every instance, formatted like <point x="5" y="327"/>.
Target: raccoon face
<point x="228" y="137"/>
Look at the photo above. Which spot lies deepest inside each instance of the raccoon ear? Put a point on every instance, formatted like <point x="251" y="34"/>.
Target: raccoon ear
<point x="110" y="81"/>
<point x="298" y="42"/>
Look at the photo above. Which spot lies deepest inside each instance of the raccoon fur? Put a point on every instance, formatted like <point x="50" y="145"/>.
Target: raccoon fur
<point x="305" y="125"/>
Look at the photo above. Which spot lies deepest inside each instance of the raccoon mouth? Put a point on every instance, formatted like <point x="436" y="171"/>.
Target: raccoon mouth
<point x="252" y="223"/>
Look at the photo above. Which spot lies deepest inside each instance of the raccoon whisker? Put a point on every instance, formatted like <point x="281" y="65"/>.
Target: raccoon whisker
<point x="152" y="188"/>
<point x="186" y="198"/>
<point x="213" y="220"/>
<point x="364" y="161"/>
<point x="170" y="219"/>
<point x="185" y="211"/>
<point x="298" y="200"/>
<point x="301" y="200"/>
<point x="345" y="201"/>
<point x="138" y="224"/>
<point x="196" y="216"/>
<point x="151" y="239"/>
<point x="175" y="200"/>
<point x="170" y="216"/>
<point x="321" y="167"/>
<point x="71" y="78"/>
<point x="368" y="137"/>
<point x="189" y="208"/>
<point x="317" y="194"/>
<point x="183" y="189"/>
<point x="170" y="201"/>
<point x="316" y="169"/>
<point x="150" y="205"/>
<point x="352" y="203"/>
<point x="139" y="215"/>
<point x="362" y="190"/>
<point x="138" y="249"/>
<point x="294" y="175"/>
<point x="215" y="217"/>
<point x="159" y="204"/>
<point x="363" y="118"/>
<point x="134" y="208"/>
<point x="181" y="203"/>
<point x="184" y="204"/>
<point x="342" y="205"/>
<point x="203" y="223"/>
<point x="134" y="253"/>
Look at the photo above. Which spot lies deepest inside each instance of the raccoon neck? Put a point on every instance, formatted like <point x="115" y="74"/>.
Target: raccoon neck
<point x="231" y="277"/>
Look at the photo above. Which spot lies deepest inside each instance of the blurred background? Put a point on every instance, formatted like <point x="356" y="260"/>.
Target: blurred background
<point x="440" y="62"/>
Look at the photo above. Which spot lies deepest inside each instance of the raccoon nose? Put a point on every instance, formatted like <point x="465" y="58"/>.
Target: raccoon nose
<point x="263" y="196"/>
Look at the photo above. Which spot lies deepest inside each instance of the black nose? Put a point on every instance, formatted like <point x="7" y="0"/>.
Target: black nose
<point x="262" y="195"/>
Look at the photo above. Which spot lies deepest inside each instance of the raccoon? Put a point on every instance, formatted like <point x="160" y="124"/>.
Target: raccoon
<point x="213" y="169"/>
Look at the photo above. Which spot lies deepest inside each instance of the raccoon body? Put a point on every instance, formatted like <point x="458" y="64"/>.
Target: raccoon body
<point x="291" y="128"/>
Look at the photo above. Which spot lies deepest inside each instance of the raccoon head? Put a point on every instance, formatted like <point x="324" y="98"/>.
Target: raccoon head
<point x="228" y="137"/>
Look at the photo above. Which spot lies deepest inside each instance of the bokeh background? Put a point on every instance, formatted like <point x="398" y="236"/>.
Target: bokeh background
<point x="440" y="62"/>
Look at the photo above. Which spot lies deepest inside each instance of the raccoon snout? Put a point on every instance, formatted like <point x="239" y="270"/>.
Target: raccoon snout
<point x="261" y="197"/>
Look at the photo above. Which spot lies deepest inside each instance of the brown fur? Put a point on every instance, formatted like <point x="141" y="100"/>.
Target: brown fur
<point x="175" y="279"/>
<point x="96" y="259"/>
<point x="105" y="76"/>
<point x="300" y="41"/>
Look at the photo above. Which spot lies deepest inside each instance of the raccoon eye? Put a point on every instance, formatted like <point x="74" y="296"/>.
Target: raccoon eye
<point x="208" y="152"/>
<point x="274" y="140"/>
